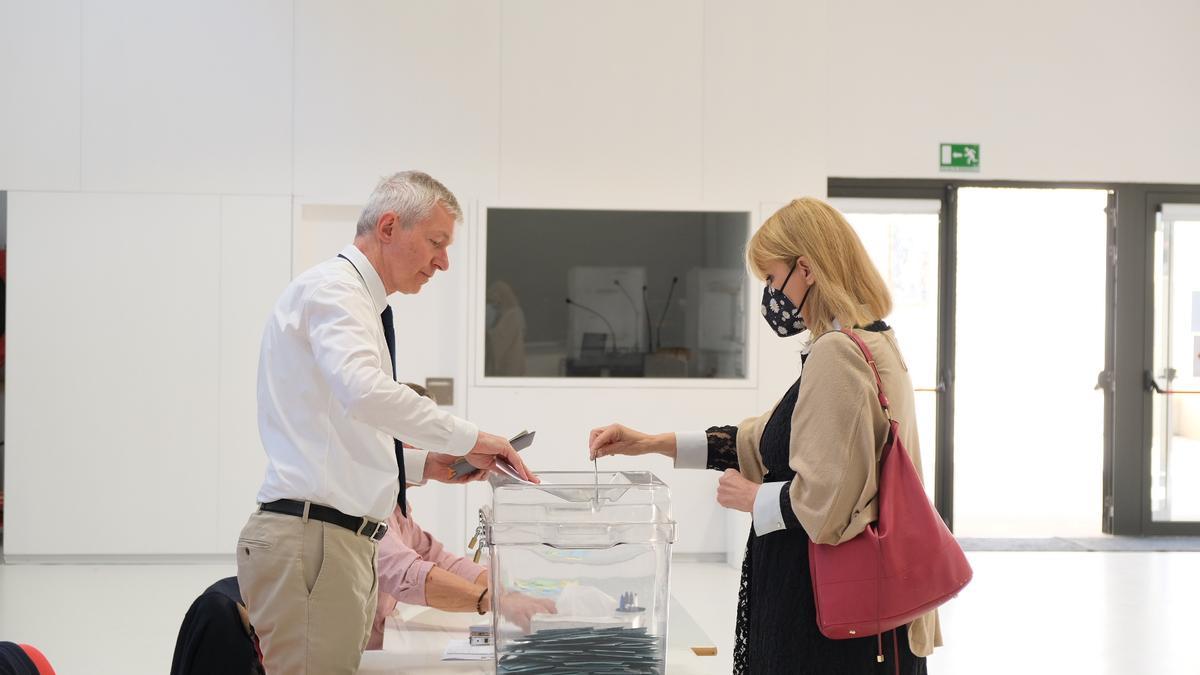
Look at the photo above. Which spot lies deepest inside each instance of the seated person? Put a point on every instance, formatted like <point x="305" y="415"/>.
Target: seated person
<point x="416" y="569"/>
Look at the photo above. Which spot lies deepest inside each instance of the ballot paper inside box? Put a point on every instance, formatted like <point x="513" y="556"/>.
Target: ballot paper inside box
<point x="598" y="546"/>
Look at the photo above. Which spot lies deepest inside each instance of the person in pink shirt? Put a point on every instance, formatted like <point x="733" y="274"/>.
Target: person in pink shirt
<point x="416" y="569"/>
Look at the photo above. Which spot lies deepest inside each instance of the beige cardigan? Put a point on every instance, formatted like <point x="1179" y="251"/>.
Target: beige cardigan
<point x="838" y="432"/>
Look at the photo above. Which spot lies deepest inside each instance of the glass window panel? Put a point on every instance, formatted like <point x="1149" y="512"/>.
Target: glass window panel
<point x="1029" y="342"/>
<point x="1175" y="445"/>
<point x="653" y="294"/>
<point x="902" y="240"/>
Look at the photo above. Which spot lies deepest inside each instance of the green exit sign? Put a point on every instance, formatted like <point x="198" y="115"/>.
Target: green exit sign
<point x="959" y="157"/>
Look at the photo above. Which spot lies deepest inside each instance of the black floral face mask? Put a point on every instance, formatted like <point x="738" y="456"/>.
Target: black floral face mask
<point x="779" y="312"/>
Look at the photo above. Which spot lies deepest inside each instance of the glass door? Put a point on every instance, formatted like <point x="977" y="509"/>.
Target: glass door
<point x="1030" y="325"/>
<point x="1175" y="440"/>
<point x="901" y="236"/>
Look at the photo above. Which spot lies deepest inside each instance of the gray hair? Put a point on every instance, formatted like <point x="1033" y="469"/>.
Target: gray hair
<point x="411" y="195"/>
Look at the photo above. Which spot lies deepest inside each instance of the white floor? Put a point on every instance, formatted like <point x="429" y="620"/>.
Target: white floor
<point x="1026" y="612"/>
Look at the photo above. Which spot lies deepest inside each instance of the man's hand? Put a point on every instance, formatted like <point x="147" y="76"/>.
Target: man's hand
<point x="520" y="608"/>
<point x="489" y="447"/>
<point x="735" y="492"/>
<point x="438" y="467"/>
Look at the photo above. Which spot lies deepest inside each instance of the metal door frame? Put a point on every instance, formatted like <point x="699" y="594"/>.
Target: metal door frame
<point x="1139" y="520"/>
<point x="1129" y="332"/>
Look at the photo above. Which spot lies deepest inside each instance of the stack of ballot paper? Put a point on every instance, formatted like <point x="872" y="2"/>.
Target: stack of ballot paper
<point x="584" y="651"/>
<point x="540" y="622"/>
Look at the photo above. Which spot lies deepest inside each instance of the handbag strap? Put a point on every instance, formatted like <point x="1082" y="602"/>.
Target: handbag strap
<point x="866" y="351"/>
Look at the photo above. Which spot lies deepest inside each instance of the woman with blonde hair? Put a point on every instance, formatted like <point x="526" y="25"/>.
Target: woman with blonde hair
<point x="808" y="468"/>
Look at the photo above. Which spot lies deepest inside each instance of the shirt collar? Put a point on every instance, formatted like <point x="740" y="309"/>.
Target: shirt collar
<point x="806" y="338"/>
<point x="369" y="275"/>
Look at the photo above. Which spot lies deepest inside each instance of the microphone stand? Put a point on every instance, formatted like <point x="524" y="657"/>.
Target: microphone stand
<point x="637" y="340"/>
<point x="646" y="311"/>
<point x="666" y="306"/>
<point x="606" y="323"/>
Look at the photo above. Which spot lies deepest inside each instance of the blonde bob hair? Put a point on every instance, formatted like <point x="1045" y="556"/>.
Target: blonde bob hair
<point x="847" y="286"/>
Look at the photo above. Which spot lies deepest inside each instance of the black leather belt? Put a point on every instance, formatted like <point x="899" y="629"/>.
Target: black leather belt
<point x="371" y="529"/>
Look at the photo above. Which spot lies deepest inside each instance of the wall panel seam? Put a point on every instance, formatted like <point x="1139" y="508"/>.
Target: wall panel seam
<point x="220" y="366"/>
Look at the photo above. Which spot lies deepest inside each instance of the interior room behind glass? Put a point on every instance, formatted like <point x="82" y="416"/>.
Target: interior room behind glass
<point x="575" y="293"/>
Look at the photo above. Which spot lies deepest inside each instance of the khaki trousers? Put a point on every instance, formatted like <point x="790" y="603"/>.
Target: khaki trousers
<point x="310" y="589"/>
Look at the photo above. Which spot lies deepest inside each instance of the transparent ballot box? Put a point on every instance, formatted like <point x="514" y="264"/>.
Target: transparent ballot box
<point x="580" y="567"/>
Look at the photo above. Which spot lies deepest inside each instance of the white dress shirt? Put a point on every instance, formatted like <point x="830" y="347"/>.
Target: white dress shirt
<point x="328" y="404"/>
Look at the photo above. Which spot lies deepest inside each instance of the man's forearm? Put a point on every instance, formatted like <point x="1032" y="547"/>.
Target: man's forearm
<point x="450" y="592"/>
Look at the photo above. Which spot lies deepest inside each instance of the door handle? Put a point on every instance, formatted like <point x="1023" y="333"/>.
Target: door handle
<point x="1153" y="386"/>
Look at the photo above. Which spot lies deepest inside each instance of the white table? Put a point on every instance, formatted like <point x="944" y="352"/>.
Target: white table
<point x="415" y="637"/>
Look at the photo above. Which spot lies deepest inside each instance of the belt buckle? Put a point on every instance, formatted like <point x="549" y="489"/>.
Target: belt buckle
<point x="375" y="534"/>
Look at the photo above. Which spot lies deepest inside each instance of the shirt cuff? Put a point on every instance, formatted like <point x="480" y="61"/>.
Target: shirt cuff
<point x="414" y="466"/>
<point x="768" y="515"/>
<point x="463" y="437"/>
<point x="414" y="593"/>
<point x="691" y="450"/>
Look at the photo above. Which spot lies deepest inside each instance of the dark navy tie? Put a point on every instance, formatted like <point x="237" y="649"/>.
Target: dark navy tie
<point x="389" y="334"/>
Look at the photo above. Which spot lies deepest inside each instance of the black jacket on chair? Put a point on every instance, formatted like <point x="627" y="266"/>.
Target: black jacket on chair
<point x="213" y="638"/>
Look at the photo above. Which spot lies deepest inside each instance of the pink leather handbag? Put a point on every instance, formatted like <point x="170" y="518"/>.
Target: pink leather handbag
<point x="899" y="567"/>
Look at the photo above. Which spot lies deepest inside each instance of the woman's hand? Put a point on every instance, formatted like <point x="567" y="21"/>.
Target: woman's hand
<point x="618" y="439"/>
<point x="735" y="492"/>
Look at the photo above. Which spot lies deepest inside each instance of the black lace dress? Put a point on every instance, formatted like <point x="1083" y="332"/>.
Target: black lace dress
<point x="777" y="630"/>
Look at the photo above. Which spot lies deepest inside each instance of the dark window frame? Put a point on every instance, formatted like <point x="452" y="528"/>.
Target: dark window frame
<point x="749" y="376"/>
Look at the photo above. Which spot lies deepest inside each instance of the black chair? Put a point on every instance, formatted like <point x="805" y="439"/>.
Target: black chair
<point x="215" y="638"/>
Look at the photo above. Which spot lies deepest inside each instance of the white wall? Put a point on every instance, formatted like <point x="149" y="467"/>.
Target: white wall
<point x="162" y="156"/>
<point x="143" y="143"/>
<point x="187" y="97"/>
<point x="386" y="85"/>
<point x="159" y="157"/>
<point x="1067" y="90"/>
<point x="111" y="372"/>
<point x="130" y="368"/>
<point x="40" y="117"/>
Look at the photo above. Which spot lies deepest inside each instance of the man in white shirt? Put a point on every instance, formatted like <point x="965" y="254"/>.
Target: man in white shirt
<point x="331" y="416"/>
